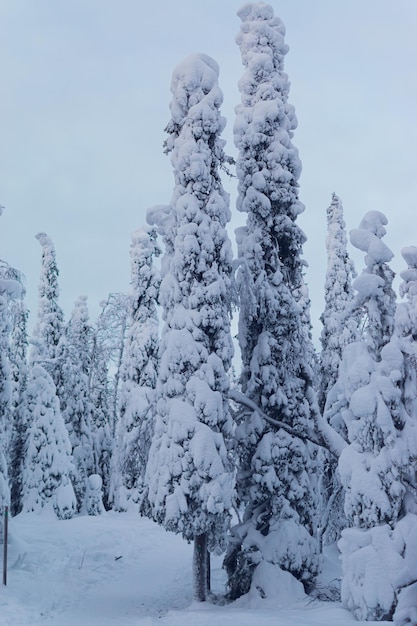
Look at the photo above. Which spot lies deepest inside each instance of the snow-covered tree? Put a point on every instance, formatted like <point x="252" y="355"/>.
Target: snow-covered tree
<point x="5" y="406"/>
<point x="405" y="577"/>
<point x="274" y="475"/>
<point x="108" y="346"/>
<point x="406" y="328"/>
<point x="375" y="295"/>
<point x="10" y="290"/>
<point x="75" y="398"/>
<point x="340" y="326"/>
<point x="138" y="373"/>
<point x="103" y="441"/>
<point x="47" y="468"/>
<point x="50" y="318"/>
<point x="189" y="474"/>
<point x="406" y="530"/>
<point x="375" y="466"/>
<point x="19" y="369"/>
<point x="93" y="501"/>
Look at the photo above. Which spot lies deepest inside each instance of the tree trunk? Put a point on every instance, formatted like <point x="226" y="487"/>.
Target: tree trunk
<point x="208" y="571"/>
<point x="200" y="568"/>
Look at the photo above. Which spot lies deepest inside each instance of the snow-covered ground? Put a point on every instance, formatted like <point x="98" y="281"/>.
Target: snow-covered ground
<point x="121" y="569"/>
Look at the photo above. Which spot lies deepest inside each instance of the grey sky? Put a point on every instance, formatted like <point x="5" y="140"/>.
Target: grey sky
<point x="84" y="98"/>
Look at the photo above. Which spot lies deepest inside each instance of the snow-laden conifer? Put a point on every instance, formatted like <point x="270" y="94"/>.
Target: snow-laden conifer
<point x="375" y="466"/>
<point x="138" y="373"/>
<point x="103" y="440"/>
<point x="19" y="370"/>
<point x="10" y="291"/>
<point x="5" y="406"/>
<point x="93" y="501"/>
<point x="189" y="474"/>
<point x="340" y="325"/>
<point x="75" y="397"/>
<point x="406" y="328"/>
<point x="47" y="468"/>
<point x="108" y="346"/>
<point x="365" y="431"/>
<point x="274" y="477"/>
<point x="375" y="295"/>
<point x="48" y="330"/>
<point x="406" y="530"/>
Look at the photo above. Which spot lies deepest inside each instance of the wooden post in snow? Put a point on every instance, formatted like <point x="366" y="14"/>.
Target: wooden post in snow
<point x="5" y="533"/>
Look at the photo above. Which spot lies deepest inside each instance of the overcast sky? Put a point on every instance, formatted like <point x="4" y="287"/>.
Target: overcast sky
<point x="84" y="99"/>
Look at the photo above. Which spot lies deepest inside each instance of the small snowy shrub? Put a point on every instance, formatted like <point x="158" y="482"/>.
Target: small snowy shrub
<point x="93" y="504"/>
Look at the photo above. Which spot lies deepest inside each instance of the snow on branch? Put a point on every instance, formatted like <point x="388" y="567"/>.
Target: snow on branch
<point x="329" y="440"/>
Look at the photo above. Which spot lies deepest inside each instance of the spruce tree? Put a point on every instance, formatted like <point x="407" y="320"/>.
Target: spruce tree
<point x="138" y="373"/>
<point x="374" y="468"/>
<point x="103" y="440"/>
<point x="274" y="475"/>
<point x="5" y="405"/>
<point x="19" y="370"/>
<point x="108" y="346"/>
<point x="340" y="326"/>
<point x="10" y="292"/>
<point x="47" y="467"/>
<point x="189" y="474"/>
<point x="375" y="298"/>
<point x="75" y="397"/>
<point x="50" y="318"/>
<point x="406" y="529"/>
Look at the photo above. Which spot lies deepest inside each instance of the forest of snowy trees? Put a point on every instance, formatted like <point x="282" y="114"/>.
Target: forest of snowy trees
<point x="143" y="410"/>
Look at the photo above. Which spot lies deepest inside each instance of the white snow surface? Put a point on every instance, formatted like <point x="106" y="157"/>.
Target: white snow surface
<point x="118" y="568"/>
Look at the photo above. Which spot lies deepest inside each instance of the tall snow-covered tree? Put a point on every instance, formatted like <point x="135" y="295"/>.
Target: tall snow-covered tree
<point x="5" y="406"/>
<point x="138" y="373"/>
<point x="375" y="466"/>
<point x="274" y="475"/>
<point x="48" y="330"/>
<point x="374" y="302"/>
<point x="340" y="325"/>
<point x="189" y="474"/>
<point x="406" y="530"/>
<point x="19" y="368"/>
<point x="406" y="328"/>
<point x="375" y="295"/>
<point x="47" y="467"/>
<point x="75" y="397"/>
<point x="101" y="414"/>
<point x="10" y="290"/>
<point x="108" y="344"/>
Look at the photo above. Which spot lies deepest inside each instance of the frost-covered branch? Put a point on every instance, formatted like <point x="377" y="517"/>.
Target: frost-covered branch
<point x="329" y="437"/>
<point x="240" y="398"/>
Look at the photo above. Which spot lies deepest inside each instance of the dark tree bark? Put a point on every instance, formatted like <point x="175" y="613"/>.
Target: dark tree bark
<point x="200" y="569"/>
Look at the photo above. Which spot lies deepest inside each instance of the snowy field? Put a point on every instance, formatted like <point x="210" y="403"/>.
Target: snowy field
<point x="121" y="569"/>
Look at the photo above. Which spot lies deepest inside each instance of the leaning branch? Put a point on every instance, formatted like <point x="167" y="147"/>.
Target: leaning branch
<point x="326" y="436"/>
<point x="333" y="442"/>
<point x="240" y="398"/>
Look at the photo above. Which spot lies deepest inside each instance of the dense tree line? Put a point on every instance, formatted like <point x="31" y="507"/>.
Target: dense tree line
<point x="129" y="413"/>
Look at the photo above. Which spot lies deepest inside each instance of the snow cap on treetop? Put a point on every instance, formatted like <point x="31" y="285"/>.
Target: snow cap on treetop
<point x="192" y="79"/>
<point x="260" y="27"/>
<point x="44" y="240"/>
<point x="409" y="254"/>
<point x="368" y="238"/>
<point x="375" y="222"/>
<point x="255" y="11"/>
<point x="409" y="275"/>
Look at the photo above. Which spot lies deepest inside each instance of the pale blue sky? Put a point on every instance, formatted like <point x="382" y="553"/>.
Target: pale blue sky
<point x="84" y="98"/>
